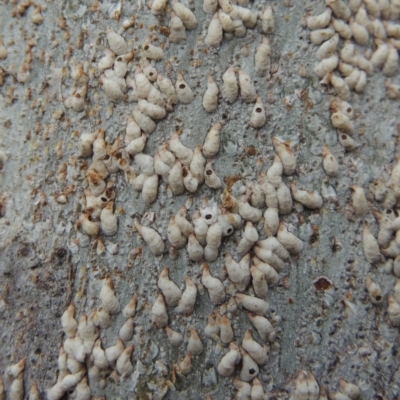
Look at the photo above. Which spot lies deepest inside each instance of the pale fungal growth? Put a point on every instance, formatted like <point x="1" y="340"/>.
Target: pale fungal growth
<point x="152" y="52"/>
<point x="257" y="352"/>
<point x="269" y="257"/>
<point x="244" y="389"/>
<point x="211" y="179"/>
<point x="151" y="110"/>
<point x="3" y="50"/>
<point x="267" y="20"/>
<point x="374" y="291"/>
<point x="185" y="366"/>
<point x="185" y="14"/>
<point x="210" y="6"/>
<point x="77" y="100"/>
<point x="99" y="356"/>
<point x="252" y="304"/>
<point x="146" y="123"/>
<point x="328" y="47"/>
<point x="143" y="85"/>
<point x="189" y="181"/>
<point x="116" y="42"/>
<point x="13" y="371"/>
<point x="170" y="290"/>
<point x="250" y="236"/>
<point x="68" y="321"/>
<point x="285" y="202"/>
<point x="271" y="221"/>
<point x="329" y="163"/>
<point x="319" y="21"/>
<point x="275" y="246"/>
<point x="390" y="67"/>
<point x="228" y="362"/>
<point x="194" y="248"/>
<point x="311" y="200"/>
<point x="136" y="146"/>
<point x="126" y="330"/>
<point x="347" y="142"/>
<point x="248" y="212"/>
<point x="175" y="179"/>
<point x="200" y="227"/>
<point x="183" y="153"/>
<point x="129" y="310"/>
<point x="101" y="318"/>
<point x="274" y="174"/>
<point x="88" y="332"/>
<point x="342" y="121"/>
<point x="226" y="22"/>
<point x="339" y="8"/>
<point x="373" y="7"/>
<point x="342" y="28"/>
<point x="210" y="98"/>
<point x="183" y="224"/>
<point x="109" y="301"/>
<point x="158" y="7"/>
<point x="257" y="119"/>
<point x="230" y="87"/>
<point x="197" y="164"/>
<point x="321" y="35"/>
<point x="249" y="369"/>
<point x="124" y="366"/>
<point x="359" y="201"/>
<point x="213" y="328"/>
<point x="305" y="386"/>
<point x="380" y="55"/>
<point x="292" y="244"/>
<point x="133" y="130"/>
<point x="216" y="289"/>
<point x="109" y="221"/>
<point x="257" y="197"/>
<point x="239" y="30"/>
<point x="360" y="33"/>
<point x="166" y="87"/>
<point x="152" y="239"/>
<point x="370" y="246"/>
<point x="347" y="53"/>
<point x="34" y="392"/>
<point x="326" y="65"/>
<point x="175" y="236"/>
<point x="341" y="86"/>
<point x="212" y="140"/>
<point x="188" y="299"/>
<point x="247" y="89"/>
<point x="214" y="32"/>
<point x="213" y="240"/>
<point x="68" y="382"/>
<point x="349" y="389"/>
<point x="174" y="338"/>
<point x="262" y="58"/>
<point x="238" y="272"/>
<point x="286" y="154"/>
<point x="113" y="352"/>
<point x="177" y="29"/>
<point x="393" y="311"/>
<point x="194" y="346"/>
<point x="159" y="316"/>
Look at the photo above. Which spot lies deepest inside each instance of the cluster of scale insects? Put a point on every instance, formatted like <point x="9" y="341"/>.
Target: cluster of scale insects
<point x="250" y="205"/>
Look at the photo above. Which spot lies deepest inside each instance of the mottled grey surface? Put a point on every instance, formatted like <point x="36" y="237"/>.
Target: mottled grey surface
<point x="41" y="271"/>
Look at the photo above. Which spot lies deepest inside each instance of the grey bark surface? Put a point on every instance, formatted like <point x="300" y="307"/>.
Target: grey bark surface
<point x="46" y="263"/>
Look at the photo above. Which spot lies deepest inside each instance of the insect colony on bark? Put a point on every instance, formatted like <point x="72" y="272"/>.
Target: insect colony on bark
<point x="258" y="262"/>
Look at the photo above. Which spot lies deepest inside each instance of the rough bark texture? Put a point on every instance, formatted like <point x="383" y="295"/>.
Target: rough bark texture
<point x="46" y="262"/>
